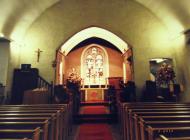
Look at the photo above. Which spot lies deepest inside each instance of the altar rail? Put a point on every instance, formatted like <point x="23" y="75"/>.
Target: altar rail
<point x="94" y="86"/>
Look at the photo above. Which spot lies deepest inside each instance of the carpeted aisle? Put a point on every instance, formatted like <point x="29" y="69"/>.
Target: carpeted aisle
<point x="94" y="131"/>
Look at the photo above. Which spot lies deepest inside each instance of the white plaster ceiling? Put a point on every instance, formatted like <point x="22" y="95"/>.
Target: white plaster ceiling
<point x="16" y="16"/>
<point x="175" y="14"/>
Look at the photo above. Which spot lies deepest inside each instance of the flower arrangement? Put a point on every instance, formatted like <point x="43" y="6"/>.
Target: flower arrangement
<point x="73" y="80"/>
<point x="165" y="75"/>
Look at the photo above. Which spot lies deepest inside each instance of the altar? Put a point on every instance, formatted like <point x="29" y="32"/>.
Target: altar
<point x="93" y="94"/>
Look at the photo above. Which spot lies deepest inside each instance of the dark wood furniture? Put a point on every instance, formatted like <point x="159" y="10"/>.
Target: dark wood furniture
<point x="23" y="80"/>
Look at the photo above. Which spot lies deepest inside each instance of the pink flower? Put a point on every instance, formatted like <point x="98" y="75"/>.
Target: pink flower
<point x="165" y="74"/>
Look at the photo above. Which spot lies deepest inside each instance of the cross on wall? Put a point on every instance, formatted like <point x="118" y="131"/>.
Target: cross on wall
<point x="38" y="54"/>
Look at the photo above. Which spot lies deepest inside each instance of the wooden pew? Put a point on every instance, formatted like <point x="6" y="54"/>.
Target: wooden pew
<point x="16" y="139"/>
<point x="63" y="118"/>
<point x="124" y="108"/>
<point x="54" y="126"/>
<point x="148" y="111"/>
<point x="154" y="132"/>
<point x="51" y="122"/>
<point x="162" y="137"/>
<point x="28" y="125"/>
<point x="58" y="118"/>
<point x="65" y="110"/>
<point x="142" y="119"/>
<point x="136" y="130"/>
<point x="36" y="113"/>
<point x="162" y="125"/>
<point x="133" y="117"/>
<point x="33" y="134"/>
<point x="127" y="106"/>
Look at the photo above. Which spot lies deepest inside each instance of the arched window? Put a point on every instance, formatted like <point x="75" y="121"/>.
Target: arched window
<point x="94" y="66"/>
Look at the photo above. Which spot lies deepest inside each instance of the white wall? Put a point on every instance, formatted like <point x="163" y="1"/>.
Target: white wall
<point x="4" y="59"/>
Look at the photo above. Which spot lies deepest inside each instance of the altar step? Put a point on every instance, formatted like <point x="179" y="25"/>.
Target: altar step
<point x="95" y="113"/>
<point x="95" y="103"/>
<point x="95" y="118"/>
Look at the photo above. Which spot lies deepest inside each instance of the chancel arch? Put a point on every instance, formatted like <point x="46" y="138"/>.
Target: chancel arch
<point x="94" y="32"/>
<point x="99" y="73"/>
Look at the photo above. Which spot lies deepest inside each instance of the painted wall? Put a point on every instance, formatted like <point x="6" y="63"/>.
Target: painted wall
<point x="9" y="60"/>
<point x="184" y="66"/>
<point x="14" y="62"/>
<point x="4" y="60"/>
<point x="182" y="55"/>
<point x="115" y="63"/>
<point x="128" y="19"/>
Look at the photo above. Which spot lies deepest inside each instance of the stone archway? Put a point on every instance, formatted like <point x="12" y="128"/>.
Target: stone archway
<point x="85" y="34"/>
<point x="94" y="32"/>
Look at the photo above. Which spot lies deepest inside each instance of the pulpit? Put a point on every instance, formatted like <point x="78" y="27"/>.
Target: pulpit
<point x="2" y="93"/>
<point x="23" y="80"/>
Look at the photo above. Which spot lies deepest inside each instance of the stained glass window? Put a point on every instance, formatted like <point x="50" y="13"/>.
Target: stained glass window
<point x="94" y="66"/>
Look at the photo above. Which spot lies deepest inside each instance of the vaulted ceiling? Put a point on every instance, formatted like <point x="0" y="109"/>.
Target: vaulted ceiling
<point x="17" y="16"/>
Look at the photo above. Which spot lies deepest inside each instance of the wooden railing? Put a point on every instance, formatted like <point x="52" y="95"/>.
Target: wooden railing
<point x="42" y="83"/>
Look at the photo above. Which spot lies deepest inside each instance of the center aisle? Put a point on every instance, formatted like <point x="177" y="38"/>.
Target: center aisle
<point x="94" y="132"/>
<point x="91" y="128"/>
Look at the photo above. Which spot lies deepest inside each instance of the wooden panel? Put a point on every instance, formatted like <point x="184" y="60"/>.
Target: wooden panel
<point x="36" y="97"/>
<point x="115" y="81"/>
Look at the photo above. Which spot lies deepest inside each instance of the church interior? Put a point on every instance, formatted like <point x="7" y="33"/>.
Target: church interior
<point x="94" y="70"/>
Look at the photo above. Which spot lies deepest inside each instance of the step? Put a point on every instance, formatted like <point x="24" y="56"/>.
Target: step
<point x="97" y="118"/>
<point x="94" y="115"/>
<point x="93" y="120"/>
<point x="94" y="103"/>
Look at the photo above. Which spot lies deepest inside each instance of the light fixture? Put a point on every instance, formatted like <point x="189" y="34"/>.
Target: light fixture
<point x="187" y="36"/>
<point x="187" y="31"/>
<point x="2" y="35"/>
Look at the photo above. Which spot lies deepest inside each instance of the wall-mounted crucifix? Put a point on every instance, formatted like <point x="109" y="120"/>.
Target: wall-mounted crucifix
<point x="38" y="54"/>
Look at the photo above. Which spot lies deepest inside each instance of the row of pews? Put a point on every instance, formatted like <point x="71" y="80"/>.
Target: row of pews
<point x="35" y="122"/>
<point x="155" y="121"/>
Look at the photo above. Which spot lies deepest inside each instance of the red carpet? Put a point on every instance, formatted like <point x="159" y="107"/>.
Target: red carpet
<point x="94" y="110"/>
<point x="94" y="132"/>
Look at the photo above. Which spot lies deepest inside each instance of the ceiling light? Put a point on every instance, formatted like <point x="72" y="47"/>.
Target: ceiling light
<point x="1" y="35"/>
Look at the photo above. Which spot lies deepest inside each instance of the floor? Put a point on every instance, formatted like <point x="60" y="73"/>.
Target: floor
<point x="92" y="111"/>
<point x="114" y="128"/>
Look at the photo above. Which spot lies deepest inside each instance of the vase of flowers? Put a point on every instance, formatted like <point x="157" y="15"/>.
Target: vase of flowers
<point x="73" y="81"/>
<point x="165" y="75"/>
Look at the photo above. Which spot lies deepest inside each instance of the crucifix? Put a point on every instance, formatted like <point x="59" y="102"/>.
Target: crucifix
<point x="38" y="54"/>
